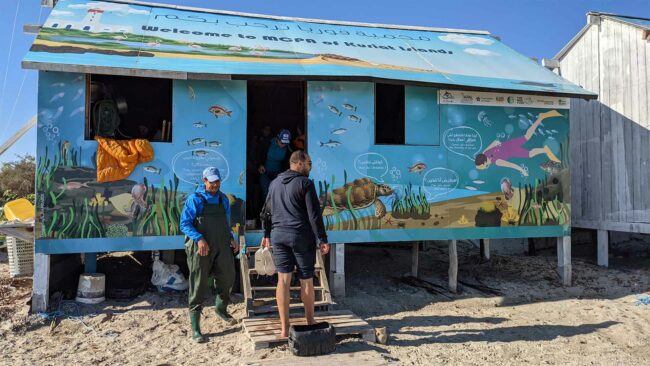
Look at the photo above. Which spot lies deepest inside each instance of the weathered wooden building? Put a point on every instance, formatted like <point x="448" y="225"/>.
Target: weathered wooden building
<point x="610" y="141"/>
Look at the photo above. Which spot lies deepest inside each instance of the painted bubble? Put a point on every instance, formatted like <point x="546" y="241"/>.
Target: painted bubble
<point x="189" y="165"/>
<point x="464" y="141"/>
<point x="371" y="165"/>
<point x="439" y="181"/>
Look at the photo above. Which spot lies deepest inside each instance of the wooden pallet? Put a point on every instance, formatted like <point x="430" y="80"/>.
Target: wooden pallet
<point x="265" y="332"/>
<point x="260" y="300"/>
<point x="364" y="358"/>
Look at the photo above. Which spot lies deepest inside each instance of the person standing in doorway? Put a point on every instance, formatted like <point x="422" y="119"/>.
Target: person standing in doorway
<point x="295" y="232"/>
<point x="209" y="246"/>
<point x="275" y="160"/>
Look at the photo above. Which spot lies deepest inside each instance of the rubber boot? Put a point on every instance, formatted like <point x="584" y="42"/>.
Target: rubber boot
<point x="195" y="318"/>
<point x="221" y="308"/>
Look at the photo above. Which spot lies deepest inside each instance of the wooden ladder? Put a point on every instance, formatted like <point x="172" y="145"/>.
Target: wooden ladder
<point x="260" y="299"/>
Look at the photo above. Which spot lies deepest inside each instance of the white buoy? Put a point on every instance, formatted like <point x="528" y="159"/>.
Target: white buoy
<point x="91" y="288"/>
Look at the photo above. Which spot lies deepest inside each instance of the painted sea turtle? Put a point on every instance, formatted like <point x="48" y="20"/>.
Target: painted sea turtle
<point x="363" y="193"/>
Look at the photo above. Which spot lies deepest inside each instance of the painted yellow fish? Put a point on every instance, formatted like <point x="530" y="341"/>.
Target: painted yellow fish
<point x="122" y="203"/>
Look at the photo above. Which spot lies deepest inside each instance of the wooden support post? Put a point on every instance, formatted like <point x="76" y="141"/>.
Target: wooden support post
<point x="564" y="259"/>
<point x="603" y="248"/>
<point x="531" y="247"/>
<point x="485" y="249"/>
<point x="415" y="251"/>
<point x="90" y="262"/>
<point x="41" y="284"/>
<point x="337" y="270"/>
<point x="453" y="267"/>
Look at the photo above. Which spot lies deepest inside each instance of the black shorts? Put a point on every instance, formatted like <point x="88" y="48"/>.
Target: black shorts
<point x="294" y="251"/>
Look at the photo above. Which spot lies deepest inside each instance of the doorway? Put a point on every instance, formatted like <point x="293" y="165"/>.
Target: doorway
<point x="272" y="106"/>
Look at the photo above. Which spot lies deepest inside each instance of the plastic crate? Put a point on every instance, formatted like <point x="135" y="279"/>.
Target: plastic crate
<point x="20" y="209"/>
<point x="21" y="257"/>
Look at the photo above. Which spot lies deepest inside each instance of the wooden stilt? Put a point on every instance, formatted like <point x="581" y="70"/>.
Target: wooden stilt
<point x="564" y="259"/>
<point x="453" y="267"/>
<point x="485" y="249"/>
<point x="603" y="248"/>
<point x="531" y="247"/>
<point x="415" y="251"/>
<point x="41" y="284"/>
<point x="337" y="269"/>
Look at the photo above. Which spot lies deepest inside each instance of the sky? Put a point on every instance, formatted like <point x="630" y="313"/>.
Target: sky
<point x="535" y="28"/>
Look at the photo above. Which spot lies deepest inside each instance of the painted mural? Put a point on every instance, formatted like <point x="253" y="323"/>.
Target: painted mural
<point x="472" y="162"/>
<point x="209" y="129"/>
<point x="144" y="37"/>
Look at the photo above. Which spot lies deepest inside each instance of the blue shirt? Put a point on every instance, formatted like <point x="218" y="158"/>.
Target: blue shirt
<point x="274" y="157"/>
<point x="194" y="205"/>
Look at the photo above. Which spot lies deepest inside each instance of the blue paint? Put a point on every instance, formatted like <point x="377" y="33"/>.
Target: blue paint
<point x="422" y="121"/>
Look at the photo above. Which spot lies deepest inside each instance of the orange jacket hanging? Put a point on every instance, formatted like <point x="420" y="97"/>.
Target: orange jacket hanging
<point x="116" y="159"/>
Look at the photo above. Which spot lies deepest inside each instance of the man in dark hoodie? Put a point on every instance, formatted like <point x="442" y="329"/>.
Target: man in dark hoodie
<point x="296" y="231"/>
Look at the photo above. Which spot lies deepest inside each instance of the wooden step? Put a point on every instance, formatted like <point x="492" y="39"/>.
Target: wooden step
<point x="274" y="308"/>
<point x="265" y="332"/>
<point x="253" y="271"/>
<point x="272" y="288"/>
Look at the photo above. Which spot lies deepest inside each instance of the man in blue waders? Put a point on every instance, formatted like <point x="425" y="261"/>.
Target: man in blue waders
<point x="295" y="232"/>
<point x="209" y="247"/>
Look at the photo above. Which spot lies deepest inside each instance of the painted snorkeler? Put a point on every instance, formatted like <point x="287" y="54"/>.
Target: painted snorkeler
<point x="499" y="153"/>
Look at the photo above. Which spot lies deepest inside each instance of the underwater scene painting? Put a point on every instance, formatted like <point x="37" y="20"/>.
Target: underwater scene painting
<point x="491" y="161"/>
<point x="209" y="129"/>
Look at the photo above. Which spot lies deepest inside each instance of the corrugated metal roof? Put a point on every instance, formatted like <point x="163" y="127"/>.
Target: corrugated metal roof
<point x="167" y="41"/>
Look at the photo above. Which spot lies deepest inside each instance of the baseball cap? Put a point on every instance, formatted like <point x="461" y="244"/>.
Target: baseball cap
<point x="284" y="136"/>
<point x="211" y="174"/>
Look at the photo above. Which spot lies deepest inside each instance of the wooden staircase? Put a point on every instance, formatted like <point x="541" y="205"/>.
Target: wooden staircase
<point x="259" y="291"/>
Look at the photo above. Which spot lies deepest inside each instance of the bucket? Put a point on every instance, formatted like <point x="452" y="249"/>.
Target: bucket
<point x="312" y="340"/>
<point x="91" y="288"/>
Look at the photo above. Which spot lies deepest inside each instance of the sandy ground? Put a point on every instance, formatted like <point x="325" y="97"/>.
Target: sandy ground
<point x="535" y="321"/>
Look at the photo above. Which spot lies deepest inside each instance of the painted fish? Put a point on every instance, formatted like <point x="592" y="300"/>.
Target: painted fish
<point x="334" y="110"/>
<point x="76" y="185"/>
<point x="123" y="203"/>
<point x="481" y="116"/>
<point x="58" y="112"/>
<point x="512" y="116"/>
<point x="152" y="169"/>
<point x="506" y="188"/>
<point x="76" y="111"/>
<point x="350" y="107"/>
<point x="478" y="181"/>
<point x="417" y="167"/>
<point x="331" y="144"/>
<point x="57" y="96"/>
<point x="214" y="143"/>
<point x="541" y="132"/>
<point x="219" y="111"/>
<point x="57" y="85"/>
<point x="354" y="118"/>
<point x="190" y="92"/>
<point x="554" y="131"/>
<point x="196" y="141"/>
<point x="234" y="48"/>
<point x="339" y="131"/>
<point x="240" y="180"/>
<point x="470" y="188"/>
<point x="531" y="115"/>
<point x="80" y="92"/>
<point x="199" y="153"/>
<point x="550" y="167"/>
<point x="199" y="124"/>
